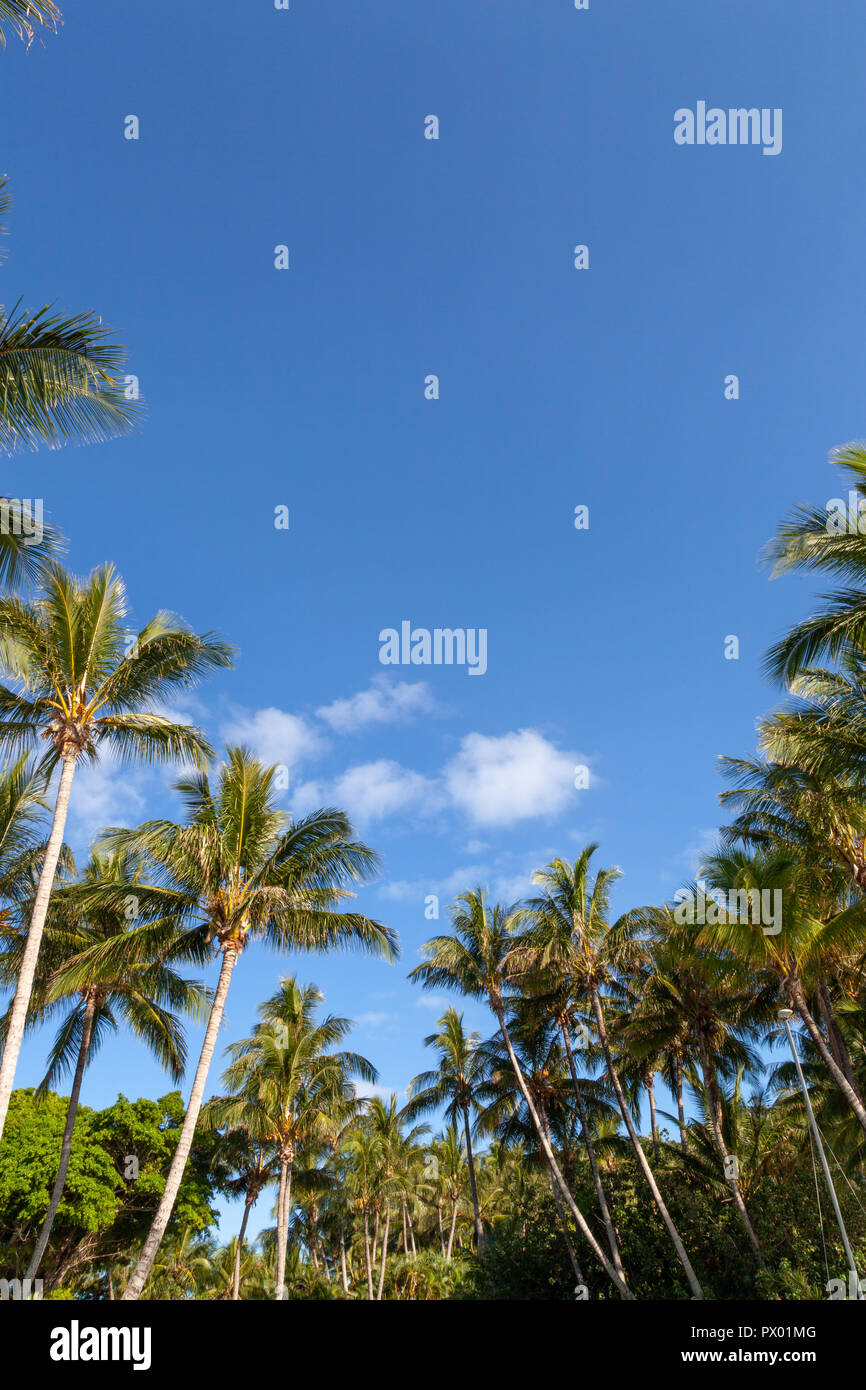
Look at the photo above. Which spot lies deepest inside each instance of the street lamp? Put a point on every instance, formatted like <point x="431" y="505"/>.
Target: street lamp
<point x="785" y="1016"/>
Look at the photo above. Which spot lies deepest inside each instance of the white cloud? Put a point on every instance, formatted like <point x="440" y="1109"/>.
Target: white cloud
<point x="383" y="702"/>
<point x="499" y="781"/>
<point x="368" y="1091"/>
<point x="371" y="1020"/>
<point x="275" y="735"/>
<point x="372" y="791"/>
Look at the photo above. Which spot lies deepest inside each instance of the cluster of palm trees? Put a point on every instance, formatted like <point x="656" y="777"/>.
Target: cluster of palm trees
<point x="591" y="1013"/>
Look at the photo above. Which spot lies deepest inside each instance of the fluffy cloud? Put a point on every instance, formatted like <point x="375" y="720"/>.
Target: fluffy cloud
<point x="275" y="736"/>
<point x="499" y="781"/>
<point x="382" y="703"/>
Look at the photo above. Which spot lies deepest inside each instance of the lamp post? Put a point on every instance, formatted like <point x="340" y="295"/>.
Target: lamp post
<point x="785" y="1016"/>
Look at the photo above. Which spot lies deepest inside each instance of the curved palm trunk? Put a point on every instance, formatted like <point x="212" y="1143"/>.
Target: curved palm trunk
<point x="551" y="1158"/>
<point x="441" y="1230"/>
<point x="236" y="1276"/>
<point x="798" y="999"/>
<point x="66" y="1146"/>
<point x="284" y="1208"/>
<point x="590" y="1151"/>
<point x="143" y="1265"/>
<point x="384" y="1254"/>
<point x="714" y="1106"/>
<point x="563" y="1220"/>
<point x="638" y="1150"/>
<point x="470" y="1159"/>
<point x="27" y="973"/>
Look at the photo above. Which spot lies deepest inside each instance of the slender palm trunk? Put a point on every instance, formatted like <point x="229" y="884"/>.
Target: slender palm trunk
<point x="376" y="1237"/>
<point x="452" y="1230"/>
<point x="145" y="1260"/>
<point x="343" y="1275"/>
<point x="612" y="1274"/>
<point x="798" y="999"/>
<point x="384" y="1253"/>
<point x="714" y="1106"/>
<point x="638" y="1150"/>
<point x="66" y="1146"/>
<point x="283" y="1213"/>
<point x="27" y="973"/>
<point x="367" y="1253"/>
<point x="411" y="1233"/>
<point x="470" y="1159"/>
<point x="441" y="1231"/>
<point x="650" y="1090"/>
<point x="557" y="1197"/>
<point x="837" y="1040"/>
<point x="236" y="1276"/>
<point x="681" y="1111"/>
<point x="405" y="1233"/>
<point x="590" y="1151"/>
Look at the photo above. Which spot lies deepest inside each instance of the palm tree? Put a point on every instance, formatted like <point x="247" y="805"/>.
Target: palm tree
<point x="698" y="1001"/>
<point x="95" y="996"/>
<point x="279" y="1082"/>
<point x="571" y="928"/>
<point x="27" y="543"/>
<point x="392" y="1144"/>
<point x="794" y="959"/>
<point x="809" y="540"/>
<point x="21" y="16"/>
<point x="60" y="376"/>
<point x="460" y="1084"/>
<point x="475" y="961"/>
<point x="239" y="869"/>
<point x="80" y="682"/>
<point x="248" y="1167"/>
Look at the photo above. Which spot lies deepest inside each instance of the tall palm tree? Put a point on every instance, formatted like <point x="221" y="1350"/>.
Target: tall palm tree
<point x="248" y="1168"/>
<point x="385" y="1123"/>
<point x="145" y="993"/>
<point x="279" y="1082"/>
<point x="240" y="869"/>
<point x="60" y="375"/>
<point x="475" y="961"/>
<point x="79" y="681"/>
<point x="794" y="958"/>
<point x="20" y="17"/>
<point x="460" y="1085"/>
<point x="571" y="928"/>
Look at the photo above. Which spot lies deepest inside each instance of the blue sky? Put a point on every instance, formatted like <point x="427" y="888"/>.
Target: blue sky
<point x="558" y="387"/>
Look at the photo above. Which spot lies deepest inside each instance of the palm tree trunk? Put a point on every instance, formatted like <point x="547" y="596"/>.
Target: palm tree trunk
<point x="681" y="1112"/>
<point x="612" y="1274"/>
<point x="405" y="1234"/>
<point x="798" y="999"/>
<point x="367" y="1252"/>
<point x="283" y="1213"/>
<point x="714" y="1106"/>
<point x="343" y="1275"/>
<point x="66" y="1146"/>
<point x="557" y="1197"/>
<point x="411" y="1233"/>
<point x="834" y="1033"/>
<point x="376" y="1237"/>
<point x="590" y="1151"/>
<point x="236" y="1276"/>
<point x="384" y="1253"/>
<point x="441" y="1231"/>
<point x="27" y="973"/>
<point x="145" y="1260"/>
<point x="470" y="1159"/>
<point x="650" y="1090"/>
<point x="638" y="1150"/>
<point x="452" y="1230"/>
